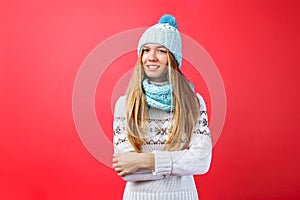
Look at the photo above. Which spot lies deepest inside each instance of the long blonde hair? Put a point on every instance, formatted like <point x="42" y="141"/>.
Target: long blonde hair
<point x="185" y="113"/>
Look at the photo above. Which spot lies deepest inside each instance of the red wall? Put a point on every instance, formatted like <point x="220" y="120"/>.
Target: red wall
<point x="255" y="45"/>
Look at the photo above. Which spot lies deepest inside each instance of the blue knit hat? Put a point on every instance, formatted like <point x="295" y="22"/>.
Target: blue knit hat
<point x="164" y="33"/>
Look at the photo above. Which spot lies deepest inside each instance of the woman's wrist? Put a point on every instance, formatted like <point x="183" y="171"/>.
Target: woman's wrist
<point x="147" y="161"/>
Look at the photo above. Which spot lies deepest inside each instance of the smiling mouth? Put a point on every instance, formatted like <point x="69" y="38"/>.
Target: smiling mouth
<point x="153" y="66"/>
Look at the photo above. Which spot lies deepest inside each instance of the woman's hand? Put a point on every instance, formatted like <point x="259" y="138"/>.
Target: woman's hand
<point x="129" y="162"/>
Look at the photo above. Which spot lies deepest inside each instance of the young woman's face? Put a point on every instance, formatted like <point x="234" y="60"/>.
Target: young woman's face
<point x="155" y="62"/>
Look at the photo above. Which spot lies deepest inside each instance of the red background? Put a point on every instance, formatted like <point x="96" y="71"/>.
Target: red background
<point x="255" y="45"/>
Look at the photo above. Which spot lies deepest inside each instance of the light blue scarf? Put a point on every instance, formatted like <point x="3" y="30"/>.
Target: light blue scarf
<point x="159" y="95"/>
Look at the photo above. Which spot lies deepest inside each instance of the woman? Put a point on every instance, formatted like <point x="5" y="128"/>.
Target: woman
<point x="161" y="134"/>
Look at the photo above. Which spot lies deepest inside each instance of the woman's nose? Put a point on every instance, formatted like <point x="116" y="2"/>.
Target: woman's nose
<point x="152" y="56"/>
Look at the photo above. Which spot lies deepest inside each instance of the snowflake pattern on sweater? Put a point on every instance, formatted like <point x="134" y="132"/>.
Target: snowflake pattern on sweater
<point x="158" y="128"/>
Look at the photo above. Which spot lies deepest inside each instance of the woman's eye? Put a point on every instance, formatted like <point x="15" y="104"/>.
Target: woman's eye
<point x="145" y="50"/>
<point x="162" y="51"/>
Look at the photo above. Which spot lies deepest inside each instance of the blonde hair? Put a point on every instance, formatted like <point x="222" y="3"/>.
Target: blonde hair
<point x="185" y="113"/>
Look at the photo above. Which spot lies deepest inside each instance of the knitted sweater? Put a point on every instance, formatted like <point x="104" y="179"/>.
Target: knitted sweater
<point x="172" y="178"/>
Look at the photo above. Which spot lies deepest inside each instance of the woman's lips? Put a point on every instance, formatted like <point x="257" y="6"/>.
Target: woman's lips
<point x="153" y="67"/>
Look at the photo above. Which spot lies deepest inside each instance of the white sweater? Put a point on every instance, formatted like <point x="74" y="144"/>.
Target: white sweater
<point x="172" y="178"/>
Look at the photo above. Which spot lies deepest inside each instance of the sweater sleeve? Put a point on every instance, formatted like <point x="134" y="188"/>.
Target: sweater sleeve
<point x="121" y="143"/>
<point x="194" y="160"/>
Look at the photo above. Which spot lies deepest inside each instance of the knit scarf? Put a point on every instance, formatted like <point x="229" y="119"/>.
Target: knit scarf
<point x="158" y="95"/>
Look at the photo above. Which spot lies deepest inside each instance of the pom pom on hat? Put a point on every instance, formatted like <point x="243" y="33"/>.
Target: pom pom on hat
<point x="164" y="33"/>
<point x="168" y="19"/>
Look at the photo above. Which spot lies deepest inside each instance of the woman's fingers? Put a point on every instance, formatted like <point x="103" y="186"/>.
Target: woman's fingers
<point x="122" y="173"/>
<point x="115" y="159"/>
<point x="118" y="169"/>
<point x="115" y="165"/>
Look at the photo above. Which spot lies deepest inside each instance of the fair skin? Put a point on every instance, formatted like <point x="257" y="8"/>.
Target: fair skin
<point x="155" y="61"/>
<point x="129" y="162"/>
